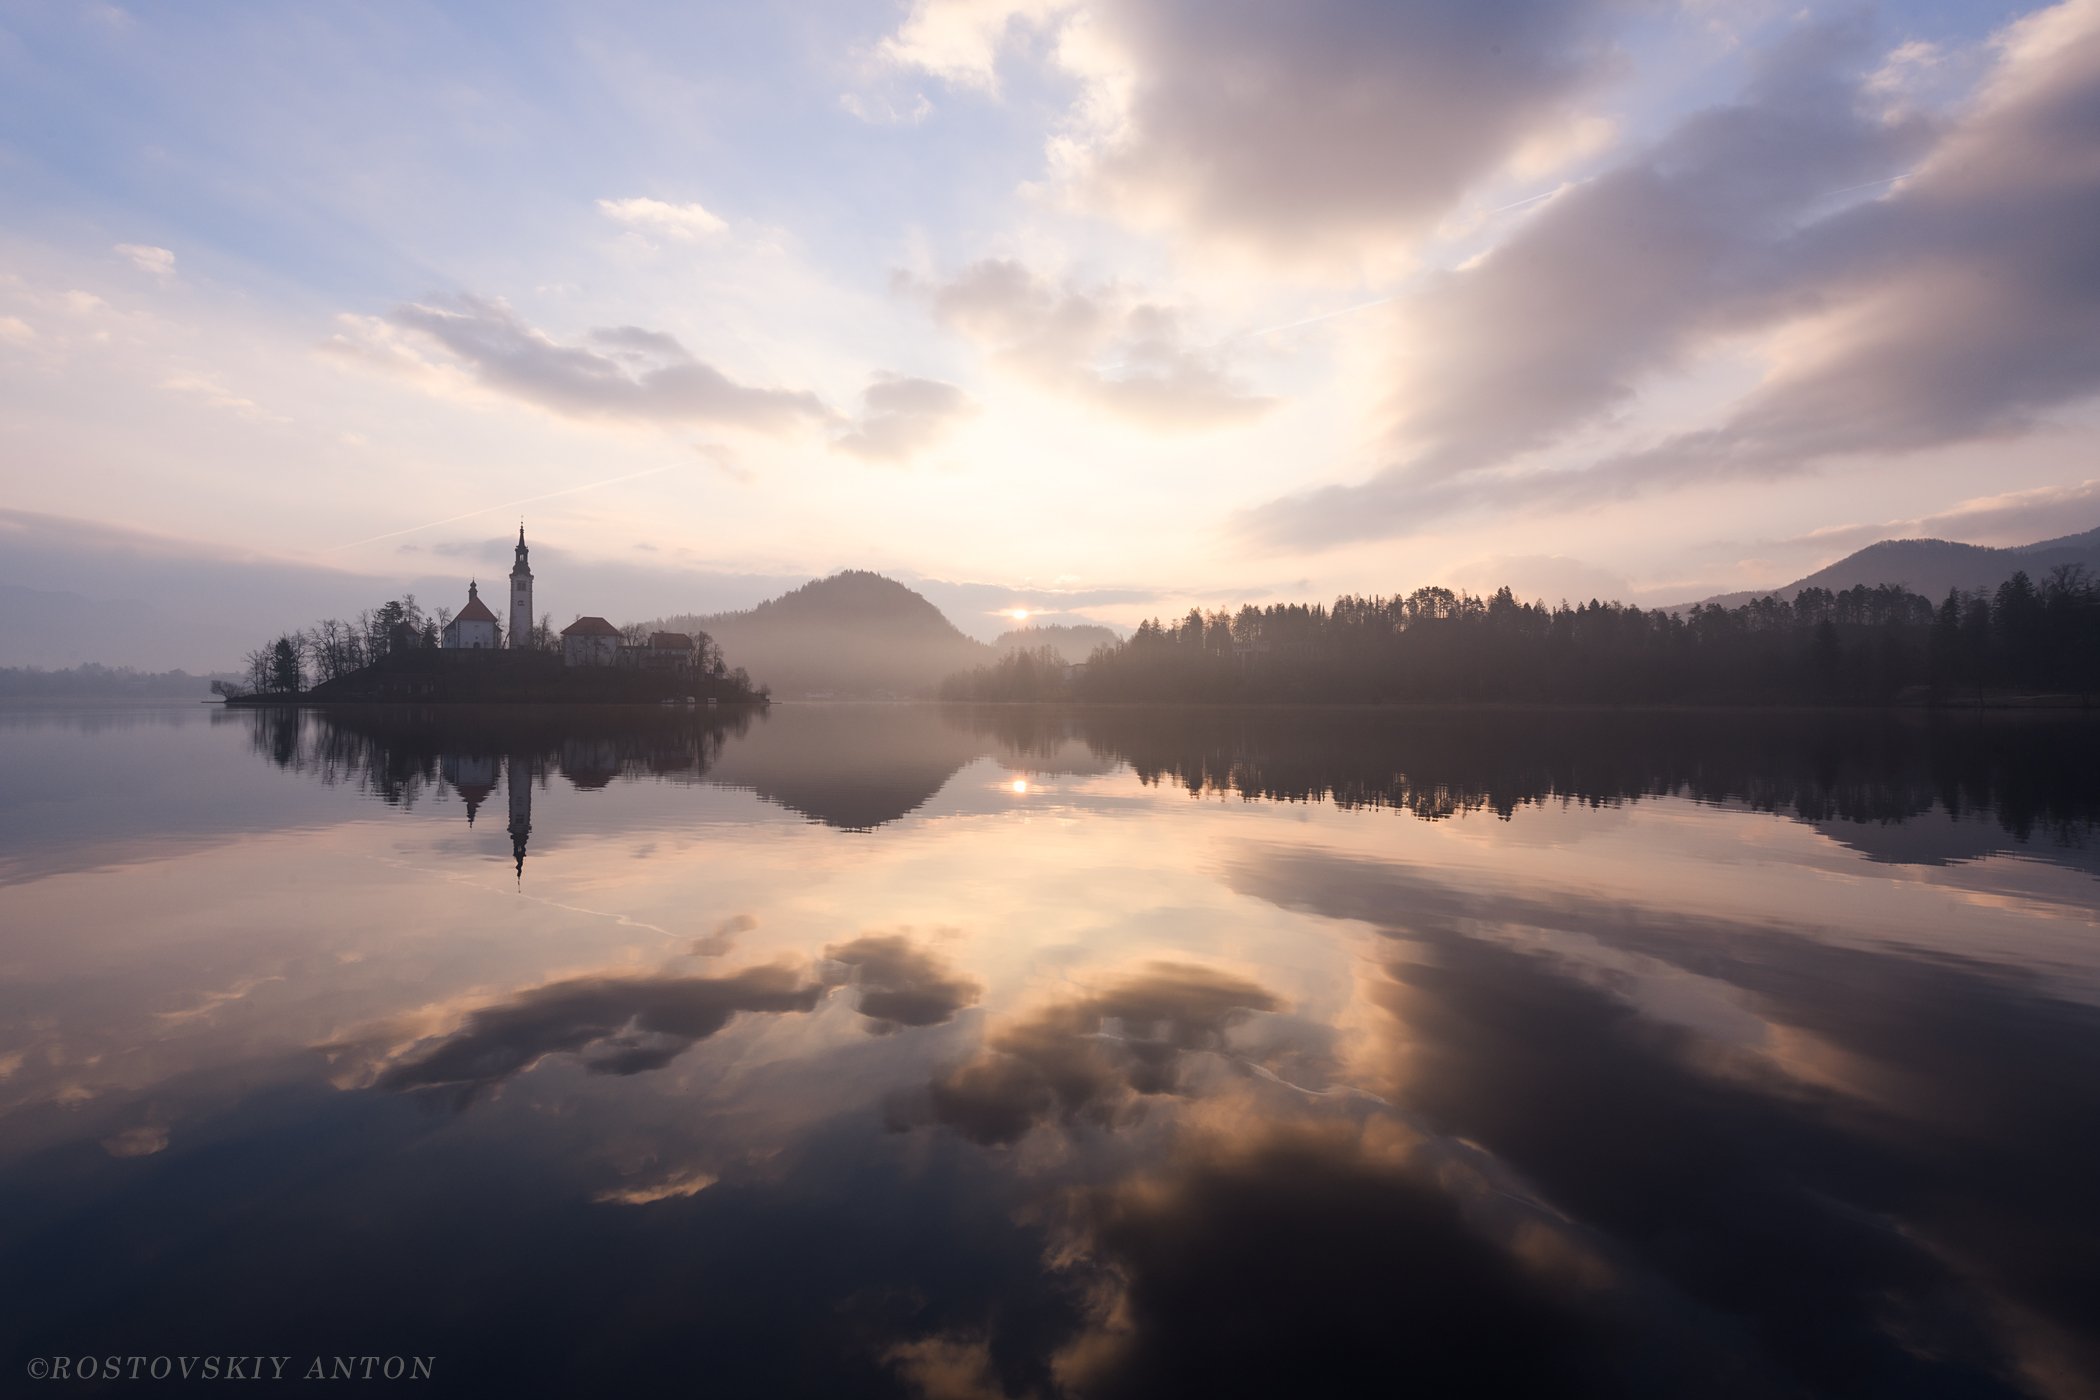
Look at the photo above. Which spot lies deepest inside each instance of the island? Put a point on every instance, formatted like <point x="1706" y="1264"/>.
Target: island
<point x="397" y="654"/>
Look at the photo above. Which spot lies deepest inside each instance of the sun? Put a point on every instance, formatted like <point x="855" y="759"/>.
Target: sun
<point x="1019" y="614"/>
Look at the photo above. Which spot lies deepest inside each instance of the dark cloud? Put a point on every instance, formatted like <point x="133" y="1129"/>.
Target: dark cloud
<point x="1125" y="355"/>
<point x="900" y="415"/>
<point x="1089" y="1059"/>
<point x="1327" y="126"/>
<point x="636" y="374"/>
<point x="1954" y="308"/>
<point x="618" y="1025"/>
<point x="902" y="984"/>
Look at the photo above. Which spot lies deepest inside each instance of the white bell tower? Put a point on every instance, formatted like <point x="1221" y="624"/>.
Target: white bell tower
<point x="521" y="598"/>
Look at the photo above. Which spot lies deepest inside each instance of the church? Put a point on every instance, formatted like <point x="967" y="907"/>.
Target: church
<point x="476" y="628"/>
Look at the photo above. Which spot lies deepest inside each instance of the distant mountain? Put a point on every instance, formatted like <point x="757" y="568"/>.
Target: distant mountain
<point x="1931" y="568"/>
<point x="1072" y="641"/>
<point x="853" y="634"/>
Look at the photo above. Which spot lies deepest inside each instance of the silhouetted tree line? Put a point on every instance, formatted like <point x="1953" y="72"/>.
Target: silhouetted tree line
<point x="1864" y="645"/>
<point x="333" y="648"/>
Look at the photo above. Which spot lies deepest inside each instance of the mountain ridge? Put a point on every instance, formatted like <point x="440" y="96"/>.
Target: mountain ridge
<point x="852" y="633"/>
<point x="1932" y="567"/>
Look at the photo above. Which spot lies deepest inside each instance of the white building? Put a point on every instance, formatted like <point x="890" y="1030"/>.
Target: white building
<point x="475" y="628"/>
<point x="521" y="598"/>
<point x="590" y="641"/>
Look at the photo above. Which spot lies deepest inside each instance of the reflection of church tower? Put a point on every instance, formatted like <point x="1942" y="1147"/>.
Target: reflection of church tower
<point x="519" y="775"/>
<point x="473" y="777"/>
<point x="521" y="597"/>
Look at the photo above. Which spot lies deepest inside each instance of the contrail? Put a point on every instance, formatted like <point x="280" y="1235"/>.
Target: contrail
<point x="500" y="505"/>
<point x="1315" y="320"/>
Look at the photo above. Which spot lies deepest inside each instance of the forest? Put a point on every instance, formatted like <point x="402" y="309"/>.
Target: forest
<point x="1863" y="645"/>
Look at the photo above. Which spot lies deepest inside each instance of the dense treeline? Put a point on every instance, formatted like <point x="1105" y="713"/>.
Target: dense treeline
<point x="1868" y="645"/>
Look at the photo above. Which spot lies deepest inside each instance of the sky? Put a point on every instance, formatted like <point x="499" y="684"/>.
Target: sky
<point x="1097" y="308"/>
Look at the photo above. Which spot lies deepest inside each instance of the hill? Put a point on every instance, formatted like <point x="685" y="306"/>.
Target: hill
<point x="855" y="633"/>
<point x="1931" y="568"/>
<point x="1072" y="641"/>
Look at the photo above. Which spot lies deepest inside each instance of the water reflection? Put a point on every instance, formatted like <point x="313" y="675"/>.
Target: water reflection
<point x="909" y="1051"/>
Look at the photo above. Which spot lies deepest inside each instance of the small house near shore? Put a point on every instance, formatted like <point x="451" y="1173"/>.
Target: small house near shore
<point x="590" y="641"/>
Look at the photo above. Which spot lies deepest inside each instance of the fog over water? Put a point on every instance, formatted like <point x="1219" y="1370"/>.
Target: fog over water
<point x="908" y="1050"/>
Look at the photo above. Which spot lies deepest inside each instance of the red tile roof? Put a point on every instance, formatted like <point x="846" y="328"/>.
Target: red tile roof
<point x="475" y="611"/>
<point x="590" y="627"/>
<point x="670" y="641"/>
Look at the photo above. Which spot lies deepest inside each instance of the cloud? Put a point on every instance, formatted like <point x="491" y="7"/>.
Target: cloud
<point x="686" y="222"/>
<point x="625" y="373"/>
<point x="1303" y="130"/>
<point x="215" y="395"/>
<point x="960" y="40"/>
<point x="901" y="415"/>
<point x="1103" y="345"/>
<point x="2006" y="518"/>
<point x="877" y="110"/>
<point x="1089" y="1058"/>
<point x="147" y="258"/>
<point x="1954" y="307"/>
<point x="617" y="1024"/>
<point x="902" y="984"/>
<point x="16" y="329"/>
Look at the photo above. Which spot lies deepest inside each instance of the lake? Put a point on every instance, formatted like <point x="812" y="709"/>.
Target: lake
<point x="910" y="1051"/>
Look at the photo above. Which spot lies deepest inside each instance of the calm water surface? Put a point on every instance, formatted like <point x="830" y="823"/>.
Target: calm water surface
<point x="894" y="1050"/>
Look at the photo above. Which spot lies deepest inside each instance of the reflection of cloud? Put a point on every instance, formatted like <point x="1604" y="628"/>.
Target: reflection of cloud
<point x="670" y="1188"/>
<point x="626" y="372"/>
<point x="1086" y="1059"/>
<point x="1855" y="1163"/>
<point x="618" y="1024"/>
<point x="724" y="937"/>
<point x="142" y="1141"/>
<point x="902" y="984"/>
<point x="1127" y="356"/>
<point x="1303" y="1258"/>
<point x="900" y="415"/>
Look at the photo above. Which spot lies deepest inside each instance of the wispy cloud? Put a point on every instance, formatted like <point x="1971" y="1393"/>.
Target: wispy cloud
<point x="626" y="373"/>
<point x="1104" y="345"/>
<point x="901" y="415"/>
<point x="147" y="258"/>
<point x="686" y="222"/>
<point x="1956" y="306"/>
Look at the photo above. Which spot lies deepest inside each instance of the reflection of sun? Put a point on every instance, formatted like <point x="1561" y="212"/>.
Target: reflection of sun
<point x="1019" y="787"/>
